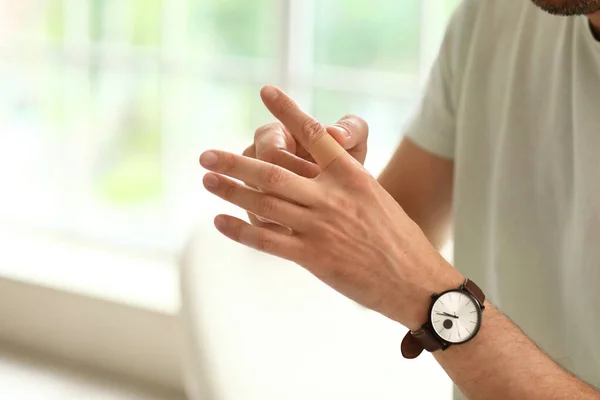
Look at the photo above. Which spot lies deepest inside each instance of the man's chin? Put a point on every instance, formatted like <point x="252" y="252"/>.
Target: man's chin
<point x="569" y="7"/>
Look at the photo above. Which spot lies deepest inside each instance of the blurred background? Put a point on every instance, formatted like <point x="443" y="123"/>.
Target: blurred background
<point x="105" y="106"/>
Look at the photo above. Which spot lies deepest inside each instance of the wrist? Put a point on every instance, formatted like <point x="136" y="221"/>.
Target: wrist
<point x="439" y="277"/>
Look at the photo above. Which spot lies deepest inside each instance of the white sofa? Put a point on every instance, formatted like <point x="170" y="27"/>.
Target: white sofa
<point x="259" y="328"/>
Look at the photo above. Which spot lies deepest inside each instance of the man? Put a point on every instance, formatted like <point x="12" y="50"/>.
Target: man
<point x="507" y="142"/>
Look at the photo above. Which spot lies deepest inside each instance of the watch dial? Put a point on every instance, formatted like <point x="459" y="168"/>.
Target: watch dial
<point x="455" y="317"/>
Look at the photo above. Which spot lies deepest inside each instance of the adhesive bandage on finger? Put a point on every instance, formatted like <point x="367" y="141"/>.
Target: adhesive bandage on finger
<point x="326" y="150"/>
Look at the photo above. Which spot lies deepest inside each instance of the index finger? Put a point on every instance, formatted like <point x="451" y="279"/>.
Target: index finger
<point x="309" y="132"/>
<point x="275" y="144"/>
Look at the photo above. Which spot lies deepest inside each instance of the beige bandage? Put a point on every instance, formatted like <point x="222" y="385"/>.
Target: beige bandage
<point x="326" y="150"/>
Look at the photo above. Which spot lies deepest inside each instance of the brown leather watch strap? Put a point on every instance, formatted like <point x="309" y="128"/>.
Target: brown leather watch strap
<point x="472" y="288"/>
<point x="414" y="343"/>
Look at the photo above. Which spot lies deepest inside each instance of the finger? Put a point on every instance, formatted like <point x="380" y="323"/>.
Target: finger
<point x="275" y="145"/>
<point x="269" y="177"/>
<point x="259" y="221"/>
<point x="309" y="132"/>
<point x="351" y="132"/>
<point x="285" y="160"/>
<point x="251" y="153"/>
<point x="265" y="223"/>
<point x="292" y="163"/>
<point x="283" y="139"/>
<point x="261" y="204"/>
<point x="254" y="220"/>
<point x="274" y="136"/>
<point x="285" y="246"/>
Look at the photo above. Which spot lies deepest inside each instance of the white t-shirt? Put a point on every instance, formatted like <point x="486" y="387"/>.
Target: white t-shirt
<point x="514" y="99"/>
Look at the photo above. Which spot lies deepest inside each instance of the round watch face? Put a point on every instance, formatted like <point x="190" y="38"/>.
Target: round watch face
<point x="455" y="316"/>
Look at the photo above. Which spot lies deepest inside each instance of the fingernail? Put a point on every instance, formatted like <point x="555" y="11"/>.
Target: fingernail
<point x="343" y="130"/>
<point x="270" y="93"/>
<point x="211" y="181"/>
<point x="220" y="223"/>
<point x="208" y="159"/>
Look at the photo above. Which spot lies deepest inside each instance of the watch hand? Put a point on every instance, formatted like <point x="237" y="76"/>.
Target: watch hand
<point x="447" y="315"/>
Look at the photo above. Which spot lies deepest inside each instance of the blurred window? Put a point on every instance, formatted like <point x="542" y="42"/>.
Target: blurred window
<point x="105" y="105"/>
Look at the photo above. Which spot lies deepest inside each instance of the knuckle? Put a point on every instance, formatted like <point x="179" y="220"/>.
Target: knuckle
<point x="359" y="184"/>
<point x="264" y="242"/>
<point x="227" y="162"/>
<point x="358" y="178"/>
<point x="313" y="130"/>
<point x="260" y="131"/>
<point x="355" y="124"/>
<point x="266" y="205"/>
<point x="286" y="106"/>
<point x="365" y="180"/>
<point x="273" y="175"/>
<point x="342" y="202"/>
<point x="228" y="191"/>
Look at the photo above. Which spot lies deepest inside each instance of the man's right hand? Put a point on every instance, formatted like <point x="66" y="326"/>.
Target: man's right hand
<point x="274" y="144"/>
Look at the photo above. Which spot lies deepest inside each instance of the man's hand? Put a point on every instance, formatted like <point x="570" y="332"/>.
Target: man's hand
<point x="273" y="143"/>
<point x="345" y="228"/>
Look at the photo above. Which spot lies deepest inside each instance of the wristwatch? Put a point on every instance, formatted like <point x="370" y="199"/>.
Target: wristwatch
<point x="454" y="318"/>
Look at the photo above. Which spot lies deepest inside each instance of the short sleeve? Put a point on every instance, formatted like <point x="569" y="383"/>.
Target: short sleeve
<point x="433" y="126"/>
